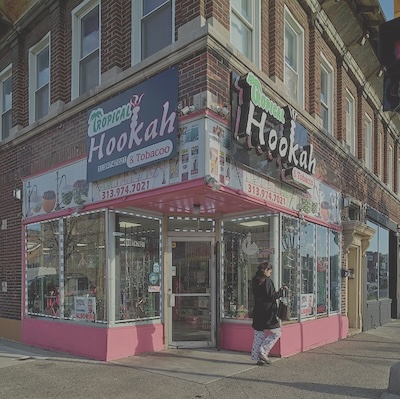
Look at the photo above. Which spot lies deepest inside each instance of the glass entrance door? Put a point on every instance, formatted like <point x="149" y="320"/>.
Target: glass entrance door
<point x="191" y="287"/>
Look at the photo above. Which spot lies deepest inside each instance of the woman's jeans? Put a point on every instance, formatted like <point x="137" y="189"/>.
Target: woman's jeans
<point x="262" y="344"/>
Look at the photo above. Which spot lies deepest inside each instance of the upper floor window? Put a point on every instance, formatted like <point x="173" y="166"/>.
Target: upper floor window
<point x="382" y="154"/>
<point x="350" y="123"/>
<point x="245" y="28"/>
<point x="368" y="142"/>
<point x="294" y="58"/>
<point x="398" y="176"/>
<point x="85" y="47"/>
<point x="39" y="79"/>
<point x="5" y="102"/>
<point x="326" y="95"/>
<point x="390" y="167"/>
<point x="153" y="27"/>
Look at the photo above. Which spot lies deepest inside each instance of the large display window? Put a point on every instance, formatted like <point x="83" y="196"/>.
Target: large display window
<point x="378" y="264"/>
<point x="43" y="269"/>
<point x="246" y="243"/>
<point x="305" y="257"/>
<point x="84" y="279"/>
<point x="65" y="263"/>
<point x="66" y="268"/>
<point x="138" y="268"/>
<point x="334" y="271"/>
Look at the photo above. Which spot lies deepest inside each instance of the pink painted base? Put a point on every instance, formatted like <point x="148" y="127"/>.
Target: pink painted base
<point x="296" y="337"/>
<point x="93" y="341"/>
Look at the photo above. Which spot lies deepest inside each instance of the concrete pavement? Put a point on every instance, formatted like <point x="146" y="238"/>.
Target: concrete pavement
<point x="356" y="367"/>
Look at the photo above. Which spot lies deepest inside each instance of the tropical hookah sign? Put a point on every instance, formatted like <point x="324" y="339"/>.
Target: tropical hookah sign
<point x="134" y="129"/>
<point x="270" y="130"/>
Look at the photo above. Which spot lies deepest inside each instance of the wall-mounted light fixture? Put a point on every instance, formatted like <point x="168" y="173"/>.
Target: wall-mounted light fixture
<point x="17" y="193"/>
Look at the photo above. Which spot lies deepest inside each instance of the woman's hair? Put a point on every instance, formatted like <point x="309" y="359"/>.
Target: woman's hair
<point x="261" y="268"/>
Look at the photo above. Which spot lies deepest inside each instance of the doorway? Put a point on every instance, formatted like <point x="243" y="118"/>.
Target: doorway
<point x="191" y="292"/>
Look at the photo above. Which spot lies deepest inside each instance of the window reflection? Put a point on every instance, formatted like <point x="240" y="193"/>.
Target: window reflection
<point x="307" y="261"/>
<point x="290" y="263"/>
<point x="84" y="258"/>
<point x="138" y="267"/>
<point x="246" y="242"/>
<point x="334" y="271"/>
<point x="322" y="268"/>
<point x="42" y="258"/>
<point x="378" y="264"/>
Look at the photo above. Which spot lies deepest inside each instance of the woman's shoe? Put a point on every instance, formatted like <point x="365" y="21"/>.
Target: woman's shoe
<point x="264" y="358"/>
<point x="260" y="363"/>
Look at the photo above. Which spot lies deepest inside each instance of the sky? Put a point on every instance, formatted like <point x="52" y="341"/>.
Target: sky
<point x="387" y="7"/>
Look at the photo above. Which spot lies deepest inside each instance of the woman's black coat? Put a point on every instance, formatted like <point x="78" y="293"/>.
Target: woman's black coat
<point x="265" y="307"/>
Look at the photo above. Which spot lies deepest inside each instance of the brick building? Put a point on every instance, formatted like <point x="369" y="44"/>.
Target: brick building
<point x="151" y="155"/>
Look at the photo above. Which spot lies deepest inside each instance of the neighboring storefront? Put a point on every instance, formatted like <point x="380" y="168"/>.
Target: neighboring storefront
<point x="381" y="271"/>
<point x="153" y="239"/>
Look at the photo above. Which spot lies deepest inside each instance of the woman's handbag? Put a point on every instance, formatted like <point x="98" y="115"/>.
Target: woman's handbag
<point x="283" y="308"/>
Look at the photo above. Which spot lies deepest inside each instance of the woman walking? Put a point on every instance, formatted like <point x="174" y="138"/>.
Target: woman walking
<point x="264" y="314"/>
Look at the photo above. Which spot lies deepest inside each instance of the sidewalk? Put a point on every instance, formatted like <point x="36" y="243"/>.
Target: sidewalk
<point x="357" y="367"/>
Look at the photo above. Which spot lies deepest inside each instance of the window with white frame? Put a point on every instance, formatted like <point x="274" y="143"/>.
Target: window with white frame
<point x="398" y="176"/>
<point x="294" y="58"/>
<point x="5" y="102"/>
<point x="390" y="167"/>
<point x="86" y="39"/>
<point x="245" y="28"/>
<point x="350" y="123"/>
<point x="326" y="95"/>
<point x="153" y="27"/>
<point x="382" y="155"/>
<point x="368" y="142"/>
<point x="39" y="79"/>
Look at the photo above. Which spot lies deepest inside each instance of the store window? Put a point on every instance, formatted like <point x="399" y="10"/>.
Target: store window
<point x="43" y="269"/>
<point x="322" y="269"/>
<point x="310" y="261"/>
<point x="246" y="243"/>
<point x="307" y="264"/>
<point x="378" y="264"/>
<point x="294" y="58"/>
<point x="67" y="281"/>
<point x="152" y="27"/>
<point x="245" y="28"/>
<point x="39" y="79"/>
<point x="334" y="271"/>
<point x="86" y="39"/>
<point x="290" y="261"/>
<point x="138" y="268"/>
<point x="305" y="257"/>
<point x="84" y="279"/>
<point x="5" y="102"/>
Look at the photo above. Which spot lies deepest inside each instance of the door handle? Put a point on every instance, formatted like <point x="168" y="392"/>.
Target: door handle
<point x="171" y="300"/>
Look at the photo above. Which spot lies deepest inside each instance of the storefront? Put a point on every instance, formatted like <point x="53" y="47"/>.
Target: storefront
<point x="381" y="271"/>
<point x="131" y="251"/>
